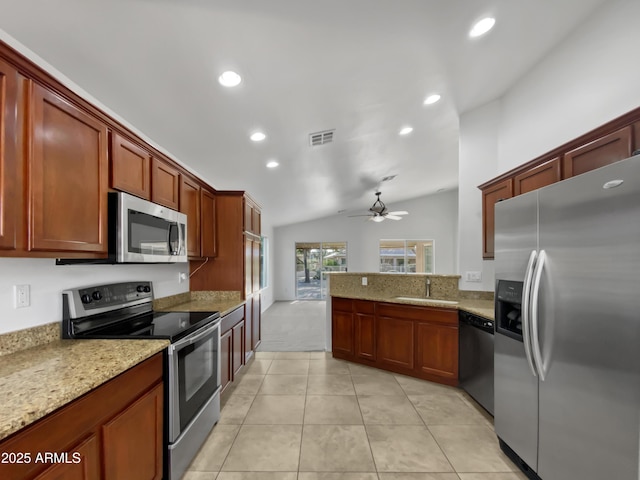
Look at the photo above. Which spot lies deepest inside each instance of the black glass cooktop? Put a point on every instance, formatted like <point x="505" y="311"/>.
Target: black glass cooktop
<point x="169" y="325"/>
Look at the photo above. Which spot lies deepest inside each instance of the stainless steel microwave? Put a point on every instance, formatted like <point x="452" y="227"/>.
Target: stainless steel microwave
<point x="144" y="232"/>
<point x="140" y="232"/>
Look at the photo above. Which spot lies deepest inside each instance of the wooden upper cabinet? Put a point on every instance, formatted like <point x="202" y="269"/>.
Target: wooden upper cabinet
<point x="636" y="137"/>
<point x="165" y="184"/>
<point x="537" y="177"/>
<point x="251" y="216"/>
<point x="10" y="183"/>
<point x="490" y="196"/>
<point x="208" y="223"/>
<point x="603" y="151"/>
<point x="68" y="176"/>
<point x="190" y="206"/>
<point x="130" y="167"/>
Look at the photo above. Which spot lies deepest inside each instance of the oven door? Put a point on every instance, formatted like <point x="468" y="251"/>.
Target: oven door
<point x="147" y="232"/>
<point x="194" y="376"/>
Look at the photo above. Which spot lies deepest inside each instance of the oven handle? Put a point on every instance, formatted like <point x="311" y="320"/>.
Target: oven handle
<point x="191" y="339"/>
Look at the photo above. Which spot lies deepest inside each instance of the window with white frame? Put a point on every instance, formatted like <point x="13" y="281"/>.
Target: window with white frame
<point x="406" y="256"/>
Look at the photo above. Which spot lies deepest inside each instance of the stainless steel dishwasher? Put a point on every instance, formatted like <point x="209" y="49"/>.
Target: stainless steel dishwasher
<point x="476" y="358"/>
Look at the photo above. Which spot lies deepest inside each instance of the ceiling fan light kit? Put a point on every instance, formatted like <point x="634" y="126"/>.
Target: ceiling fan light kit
<point x="379" y="212"/>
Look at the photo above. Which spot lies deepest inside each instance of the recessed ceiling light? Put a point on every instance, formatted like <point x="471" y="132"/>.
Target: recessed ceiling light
<point x="272" y="164"/>
<point x="482" y="26"/>
<point x="229" y="79"/>
<point x="406" y="130"/>
<point x="431" y="99"/>
<point x="258" y="136"/>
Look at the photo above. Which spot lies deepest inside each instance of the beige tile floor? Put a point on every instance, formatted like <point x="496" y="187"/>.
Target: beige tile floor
<point x="307" y="416"/>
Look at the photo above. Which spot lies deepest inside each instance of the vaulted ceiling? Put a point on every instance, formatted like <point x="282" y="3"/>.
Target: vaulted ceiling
<point x="362" y="68"/>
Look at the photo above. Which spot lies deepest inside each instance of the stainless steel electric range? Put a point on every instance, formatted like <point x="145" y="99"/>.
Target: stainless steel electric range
<point x="192" y="365"/>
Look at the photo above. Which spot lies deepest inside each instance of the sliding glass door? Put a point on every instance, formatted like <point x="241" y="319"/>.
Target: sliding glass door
<point x="313" y="261"/>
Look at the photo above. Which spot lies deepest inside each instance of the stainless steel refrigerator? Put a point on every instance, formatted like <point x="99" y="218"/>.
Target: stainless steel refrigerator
<point x="567" y="343"/>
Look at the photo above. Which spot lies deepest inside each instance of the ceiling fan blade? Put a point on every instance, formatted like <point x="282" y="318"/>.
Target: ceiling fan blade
<point x="393" y="217"/>
<point x="399" y="212"/>
<point x="368" y="215"/>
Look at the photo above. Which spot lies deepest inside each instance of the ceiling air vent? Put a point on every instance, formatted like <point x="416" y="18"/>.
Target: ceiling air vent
<point x="320" y="138"/>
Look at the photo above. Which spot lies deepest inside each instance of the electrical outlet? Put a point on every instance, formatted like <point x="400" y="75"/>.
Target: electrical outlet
<point x="364" y="281"/>
<point x="182" y="277"/>
<point x="473" y="276"/>
<point x="21" y="296"/>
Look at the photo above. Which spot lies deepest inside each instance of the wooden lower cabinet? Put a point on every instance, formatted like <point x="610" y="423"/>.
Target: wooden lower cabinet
<point x="113" y="432"/>
<point x="342" y="331"/>
<point x="226" y="349"/>
<point x="238" y="347"/>
<point x="435" y="344"/>
<point x="412" y="340"/>
<point x="365" y="331"/>
<point x="232" y="345"/>
<point x="140" y="424"/>
<point x="86" y="468"/>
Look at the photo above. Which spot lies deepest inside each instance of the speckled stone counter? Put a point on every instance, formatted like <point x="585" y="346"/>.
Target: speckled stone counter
<point x="484" y="308"/>
<point x="36" y="381"/>
<point x="201" y="301"/>
<point x="386" y="287"/>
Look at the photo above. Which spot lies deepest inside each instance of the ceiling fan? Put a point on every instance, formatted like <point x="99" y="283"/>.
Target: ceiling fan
<point x="379" y="211"/>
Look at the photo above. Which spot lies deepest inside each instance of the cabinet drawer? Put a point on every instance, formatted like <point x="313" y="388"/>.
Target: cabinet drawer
<point x="342" y="304"/>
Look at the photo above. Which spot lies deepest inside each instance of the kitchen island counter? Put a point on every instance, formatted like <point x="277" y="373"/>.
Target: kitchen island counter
<point x="38" y="380"/>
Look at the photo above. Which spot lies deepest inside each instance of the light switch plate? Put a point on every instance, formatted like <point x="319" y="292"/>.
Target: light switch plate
<point x="473" y="276"/>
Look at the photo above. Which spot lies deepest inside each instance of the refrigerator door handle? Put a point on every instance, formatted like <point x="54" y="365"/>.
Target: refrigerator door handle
<point x="535" y="342"/>
<point x="526" y="329"/>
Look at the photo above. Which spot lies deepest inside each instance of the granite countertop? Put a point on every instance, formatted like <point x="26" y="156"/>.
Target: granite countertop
<point x="484" y="308"/>
<point x="36" y="381"/>
<point x="213" y="305"/>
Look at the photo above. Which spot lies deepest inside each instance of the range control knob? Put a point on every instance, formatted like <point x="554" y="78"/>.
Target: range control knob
<point x="140" y="288"/>
<point x="86" y="298"/>
<point x="97" y="295"/>
<point x="147" y="288"/>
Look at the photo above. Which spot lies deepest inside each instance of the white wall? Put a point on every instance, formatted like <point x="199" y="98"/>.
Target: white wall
<point x="47" y="281"/>
<point x="478" y="162"/>
<point x="267" y="295"/>
<point x="430" y="217"/>
<point x="592" y="77"/>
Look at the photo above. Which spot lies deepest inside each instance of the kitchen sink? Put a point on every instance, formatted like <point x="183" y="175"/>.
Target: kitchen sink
<point x="427" y="300"/>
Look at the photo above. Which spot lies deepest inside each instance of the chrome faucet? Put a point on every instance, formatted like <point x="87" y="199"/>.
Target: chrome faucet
<point x="428" y="289"/>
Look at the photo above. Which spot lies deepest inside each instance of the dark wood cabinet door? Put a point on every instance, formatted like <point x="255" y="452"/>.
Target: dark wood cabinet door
<point x="248" y="265"/>
<point x="365" y="325"/>
<point x="490" y="197"/>
<point x="248" y="216"/>
<point x="10" y="182"/>
<point x="226" y="349"/>
<point x="256" y="336"/>
<point x="538" y="177"/>
<point x="437" y="350"/>
<point x="88" y="467"/>
<point x="248" y="325"/>
<point x="208" y="223"/>
<point x="395" y="342"/>
<point x="342" y="332"/>
<point x="68" y="176"/>
<point x="130" y="167"/>
<point x="255" y="266"/>
<point x="190" y="206"/>
<point x="165" y="184"/>
<point x="238" y="347"/>
<point x="133" y="441"/>
<point x="256" y="221"/>
<point x="603" y="151"/>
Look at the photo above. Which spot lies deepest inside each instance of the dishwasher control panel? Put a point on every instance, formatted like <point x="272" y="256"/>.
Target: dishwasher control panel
<point x="476" y="321"/>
